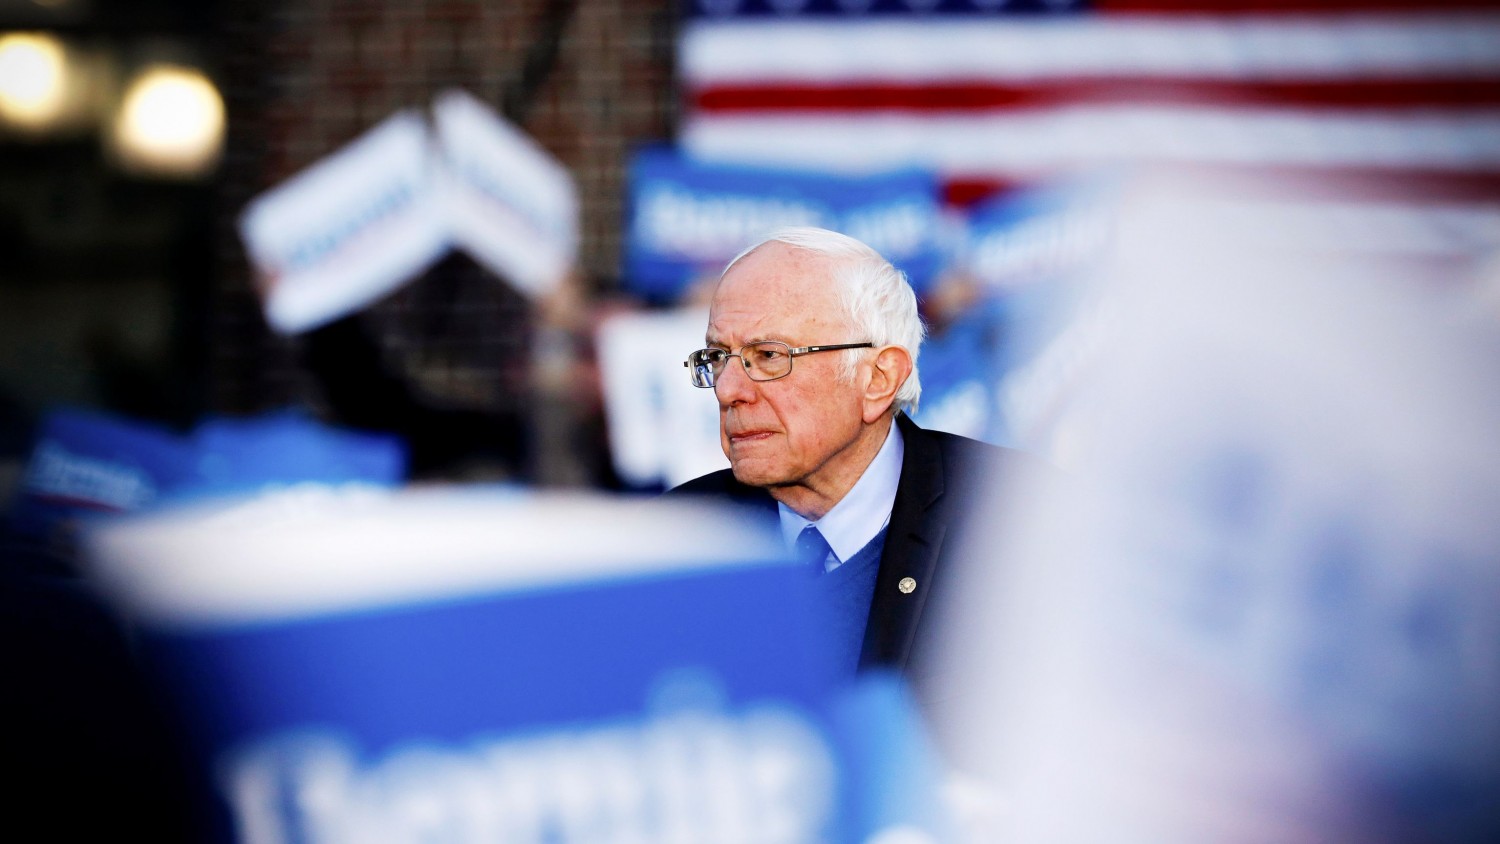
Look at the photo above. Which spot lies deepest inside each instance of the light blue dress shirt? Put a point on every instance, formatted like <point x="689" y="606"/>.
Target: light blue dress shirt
<point x="862" y="513"/>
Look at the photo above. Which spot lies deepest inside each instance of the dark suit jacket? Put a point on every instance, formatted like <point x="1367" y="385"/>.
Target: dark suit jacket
<point x="942" y="475"/>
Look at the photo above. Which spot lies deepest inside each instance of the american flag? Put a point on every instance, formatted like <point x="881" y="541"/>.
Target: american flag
<point x="993" y="93"/>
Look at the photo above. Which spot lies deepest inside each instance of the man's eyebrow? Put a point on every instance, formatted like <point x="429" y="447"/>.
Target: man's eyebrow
<point x="715" y="344"/>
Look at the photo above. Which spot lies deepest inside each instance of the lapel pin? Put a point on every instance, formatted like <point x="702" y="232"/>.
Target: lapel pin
<point x="907" y="585"/>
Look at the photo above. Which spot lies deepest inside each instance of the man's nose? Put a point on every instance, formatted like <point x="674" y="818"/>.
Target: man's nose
<point x="733" y="385"/>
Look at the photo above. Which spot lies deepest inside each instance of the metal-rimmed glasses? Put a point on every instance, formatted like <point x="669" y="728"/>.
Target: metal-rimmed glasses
<point x="764" y="361"/>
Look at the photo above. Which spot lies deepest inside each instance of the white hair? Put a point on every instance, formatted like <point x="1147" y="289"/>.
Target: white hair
<point x="878" y="301"/>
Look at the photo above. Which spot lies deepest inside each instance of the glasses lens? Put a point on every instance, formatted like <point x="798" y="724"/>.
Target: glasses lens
<point x="705" y="364"/>
<point x="767" y="361"/>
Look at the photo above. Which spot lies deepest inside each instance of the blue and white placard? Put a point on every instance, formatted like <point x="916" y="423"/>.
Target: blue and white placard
<point x="688" y="218"/>
<point x="375" y="214"/>
<point x="510" y="204"/>
<point x="663" y="431"/>
<point x="85" y="462"/>
<point x="349" y="229"/>
<point x="1038" y="233"/>
<point x="475" y="666"/>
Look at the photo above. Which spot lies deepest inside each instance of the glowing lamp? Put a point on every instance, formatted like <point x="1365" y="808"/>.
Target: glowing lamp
<point x="33" y="79"/>
<point x="171" y="122"/>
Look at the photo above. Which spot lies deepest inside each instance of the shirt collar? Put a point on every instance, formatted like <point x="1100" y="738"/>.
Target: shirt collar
<point x="863" y="512"/>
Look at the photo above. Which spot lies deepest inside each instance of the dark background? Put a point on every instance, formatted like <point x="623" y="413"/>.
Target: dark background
<point x="131" y="294"/>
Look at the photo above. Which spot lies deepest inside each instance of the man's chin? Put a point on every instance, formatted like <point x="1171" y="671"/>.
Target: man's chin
<point x="750" y="474"/>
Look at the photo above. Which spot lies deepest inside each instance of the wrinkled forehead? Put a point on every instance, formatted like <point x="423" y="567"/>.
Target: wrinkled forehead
<point x="777" y="292"/>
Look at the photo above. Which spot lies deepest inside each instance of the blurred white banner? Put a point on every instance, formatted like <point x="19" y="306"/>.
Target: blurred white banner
<point x="349" y="229"/>
<point x="510" y="204"/>
<point x="376" y="213"/>
<point x="662" y="429"/>
<point x="1268" y="609"/>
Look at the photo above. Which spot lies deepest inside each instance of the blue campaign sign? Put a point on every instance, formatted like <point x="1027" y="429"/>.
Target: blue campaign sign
<point x="1028" y="250"/>
<point x="1038" y="233"/>
<point x="86" y="462"/>
<point x="244" y="454"/>
<point x="689" y="217"/>
<point x="960" y="368"/>
<point x="470" y="665"/>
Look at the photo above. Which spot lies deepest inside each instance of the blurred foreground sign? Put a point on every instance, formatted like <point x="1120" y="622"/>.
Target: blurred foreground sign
<point x="375" y="214"/>
<point x="472" y="666"/>
<point x="1269" y="608"/>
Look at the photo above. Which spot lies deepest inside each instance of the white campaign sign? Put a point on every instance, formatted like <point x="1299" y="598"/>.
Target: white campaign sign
<point x="510" y="204"/>
<point x="662" y="429"/>
<point x="349" y="229"/>
<point x="375" y="214"/>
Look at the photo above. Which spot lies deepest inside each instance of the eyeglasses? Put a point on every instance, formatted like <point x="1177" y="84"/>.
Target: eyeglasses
<point x="764" y="361"/>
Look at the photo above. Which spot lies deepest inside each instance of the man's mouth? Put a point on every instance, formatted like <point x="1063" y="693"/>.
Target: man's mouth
<point x="748" y="436"/>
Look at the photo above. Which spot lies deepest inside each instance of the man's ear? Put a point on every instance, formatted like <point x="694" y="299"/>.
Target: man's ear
<point x="888" y="371"/>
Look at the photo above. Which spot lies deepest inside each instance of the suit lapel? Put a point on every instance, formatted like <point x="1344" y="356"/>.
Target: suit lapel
<point x="913" y="543"/>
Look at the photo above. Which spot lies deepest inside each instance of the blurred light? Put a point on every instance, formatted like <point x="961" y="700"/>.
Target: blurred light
<point x="33" y="79"/>
<point x="171" y="122"/>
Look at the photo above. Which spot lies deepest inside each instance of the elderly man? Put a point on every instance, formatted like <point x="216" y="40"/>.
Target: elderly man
<point x="812" y="351"/>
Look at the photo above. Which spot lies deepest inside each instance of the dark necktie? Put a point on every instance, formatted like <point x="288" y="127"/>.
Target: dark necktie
<point x="812" y="550"/>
